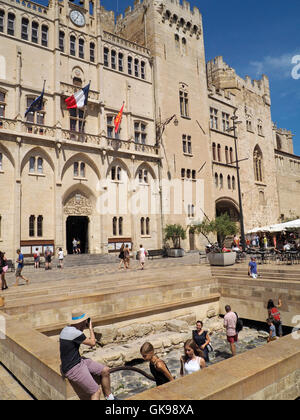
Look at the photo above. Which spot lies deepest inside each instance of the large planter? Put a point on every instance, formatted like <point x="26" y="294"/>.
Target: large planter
<point x="222" y="259"/>
<point x="175" y="253"/>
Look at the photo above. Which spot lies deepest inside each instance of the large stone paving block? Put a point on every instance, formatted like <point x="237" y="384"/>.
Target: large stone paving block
<point x="177" y="325"/>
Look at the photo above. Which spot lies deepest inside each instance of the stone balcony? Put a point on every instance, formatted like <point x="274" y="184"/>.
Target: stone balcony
<point x="58" y="135"/>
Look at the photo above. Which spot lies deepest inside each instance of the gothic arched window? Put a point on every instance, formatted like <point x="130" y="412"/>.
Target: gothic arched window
<point x="257" y="164"/>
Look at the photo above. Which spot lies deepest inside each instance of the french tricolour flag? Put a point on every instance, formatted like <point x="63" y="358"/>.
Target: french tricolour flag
<point x="79" y="99"/>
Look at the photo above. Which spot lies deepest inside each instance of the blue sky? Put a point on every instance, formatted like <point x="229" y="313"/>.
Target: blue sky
<point x="254" y="37"/>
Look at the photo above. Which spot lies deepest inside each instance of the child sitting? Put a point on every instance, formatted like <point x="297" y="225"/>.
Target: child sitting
<point x="158" y="368"/>
<point x="272" y="329"/>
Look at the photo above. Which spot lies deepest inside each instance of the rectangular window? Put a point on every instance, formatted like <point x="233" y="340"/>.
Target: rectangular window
<point x="136" y="67"/>
<point x="24" y="30"/>
<point x="2" y="104"/>
<point x="140" y="134"/>
<point x="143" y="70"/>
<point x="73" y="45"/>
<point x="113" y="60"/>
<point x="129" y="60"/>
<point x="45" y="36"/>
<point x="184" y="103"/>
<point x="111" y="128"/>
<point x="61" y="41"/>
<point x="184" y="144"/>
<point x="106" y="57"/>
<point x="214" y="118"/>
<point x="77" y="120"/>
<point x="35" y="32"/>
<point x="189" y="144"/>
<point x="11" y="24"/>
<point x="92" y="52"/>
<point x="225" y="121"/>
<point x="121" y="62"/>
<point x="81" y="48"/>
<point x="1" y="21"/>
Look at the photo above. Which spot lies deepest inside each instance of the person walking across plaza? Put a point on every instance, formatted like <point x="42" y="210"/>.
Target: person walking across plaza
<point x="230" y="321"/>
<point x="3" y="270"/>
<point x="60" y="258"/>
<point x="274" y="314"/>
<point x="252" y="268"/>
<point x="127" y="256"/>
<point x="158" y="368"/>
<point x="142" y="257"/>
<point x="122" y="257"/>
<point x="81" y="372"/>
<point x="20" y="266"/>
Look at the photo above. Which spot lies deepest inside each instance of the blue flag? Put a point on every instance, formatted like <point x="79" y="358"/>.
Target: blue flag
<point x="37" y="104"/>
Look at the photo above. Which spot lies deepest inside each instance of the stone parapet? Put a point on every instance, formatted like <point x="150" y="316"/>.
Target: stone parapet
<point x="270" y="372"/>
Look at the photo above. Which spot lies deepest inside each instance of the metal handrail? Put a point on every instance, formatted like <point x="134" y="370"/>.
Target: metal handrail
<point x="137" y="370"/>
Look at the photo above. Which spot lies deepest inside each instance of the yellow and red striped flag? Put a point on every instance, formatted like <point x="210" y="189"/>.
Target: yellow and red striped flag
<point x="118" y="119"/>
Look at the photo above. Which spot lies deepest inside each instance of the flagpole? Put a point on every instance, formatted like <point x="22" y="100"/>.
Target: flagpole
<point x="84" y="116"/>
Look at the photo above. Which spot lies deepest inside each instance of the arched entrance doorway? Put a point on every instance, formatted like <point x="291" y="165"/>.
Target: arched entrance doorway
<point x="77" y="227"/>
<point x="78" y="210"/>
<point x="228" y="206"/>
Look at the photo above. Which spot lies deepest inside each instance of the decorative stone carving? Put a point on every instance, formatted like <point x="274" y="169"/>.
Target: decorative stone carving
<point x="78" y="205"/>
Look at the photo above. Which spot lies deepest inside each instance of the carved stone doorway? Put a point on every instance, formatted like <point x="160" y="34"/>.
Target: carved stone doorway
<point x="77" y="227"/>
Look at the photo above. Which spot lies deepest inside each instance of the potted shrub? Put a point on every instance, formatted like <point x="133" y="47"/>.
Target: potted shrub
<point x="223" y="227"/>
<point x="175" y="233"/>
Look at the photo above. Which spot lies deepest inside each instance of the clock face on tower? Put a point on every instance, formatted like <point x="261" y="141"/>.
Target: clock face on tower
<point x="77" y="18"/>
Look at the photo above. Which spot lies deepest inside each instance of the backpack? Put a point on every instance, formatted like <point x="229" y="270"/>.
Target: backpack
<point x="275" y="314"/>
<point x="239" y="324"/>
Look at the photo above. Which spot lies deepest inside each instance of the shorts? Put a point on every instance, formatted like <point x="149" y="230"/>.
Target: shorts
<point x="82" y="376"/>
<point x="233" y="339"/>
<point x="19" y="271"/>
<point x="254" y="276"/>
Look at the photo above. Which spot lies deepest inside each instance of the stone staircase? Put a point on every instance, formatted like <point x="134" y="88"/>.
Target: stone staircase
<point x="81" y="260"/>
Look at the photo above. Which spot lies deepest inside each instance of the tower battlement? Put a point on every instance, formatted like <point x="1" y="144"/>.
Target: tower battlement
<point x="177" y="14"/>
<point x="222" y="76"/>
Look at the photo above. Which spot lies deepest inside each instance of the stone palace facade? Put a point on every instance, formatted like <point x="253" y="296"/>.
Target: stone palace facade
<point x="66" y="174"/>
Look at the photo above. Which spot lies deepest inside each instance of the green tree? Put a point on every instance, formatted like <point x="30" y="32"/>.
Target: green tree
<point x="221" y="225"/>
<point x="175" y="233"/>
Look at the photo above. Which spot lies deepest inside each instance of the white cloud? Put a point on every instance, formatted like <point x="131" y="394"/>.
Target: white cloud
<point x="274" y="67"/>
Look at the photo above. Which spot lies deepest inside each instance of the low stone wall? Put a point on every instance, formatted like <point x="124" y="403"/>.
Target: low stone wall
<point x="118" y="344"/>
<point x="34" y="361"/>
<point x="271" y="372"/>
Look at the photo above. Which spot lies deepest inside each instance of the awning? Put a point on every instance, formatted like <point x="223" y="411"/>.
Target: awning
<point x="280" y="227"/>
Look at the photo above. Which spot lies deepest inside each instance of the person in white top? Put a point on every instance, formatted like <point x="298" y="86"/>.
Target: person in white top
<point x="142" y="256"/>
<point x="61" y="258"/>
<point x="193" y="359"/>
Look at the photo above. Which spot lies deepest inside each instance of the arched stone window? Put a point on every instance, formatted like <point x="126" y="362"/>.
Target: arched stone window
<point x="142" y="226"/>
<point x="31" y="225"/>
<point x="40" y="226"/>
<point x="120" y="226"/>
<point x="214" y="151"/>
<point x="24" y="29"/>
<point x="233" y="183"/>
<point x="229" y="182"/>
<point x="115" y="226"/>
<point x="216" y="180"/>
<point x="258" y="164"/>
<point x="147" y="226"/>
